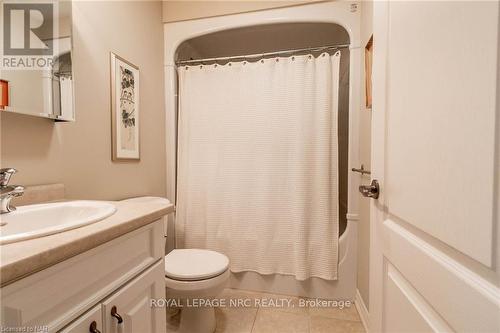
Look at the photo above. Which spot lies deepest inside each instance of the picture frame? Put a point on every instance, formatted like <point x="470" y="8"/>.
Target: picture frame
<point x="125" y="109"/>
<point x="368" y="72"/>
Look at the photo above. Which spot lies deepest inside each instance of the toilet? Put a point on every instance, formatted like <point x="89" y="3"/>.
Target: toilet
<point x="193" y="275"/>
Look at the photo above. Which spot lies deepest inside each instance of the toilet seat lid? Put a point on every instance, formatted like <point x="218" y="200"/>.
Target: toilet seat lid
<point x="195" y="264"/>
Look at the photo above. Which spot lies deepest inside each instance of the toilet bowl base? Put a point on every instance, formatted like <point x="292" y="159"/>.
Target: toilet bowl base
<point x="197" y="320"/>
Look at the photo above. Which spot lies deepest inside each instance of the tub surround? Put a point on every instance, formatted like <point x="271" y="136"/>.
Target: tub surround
<point x="340" y="13"/>
<point x="19" y="260"/>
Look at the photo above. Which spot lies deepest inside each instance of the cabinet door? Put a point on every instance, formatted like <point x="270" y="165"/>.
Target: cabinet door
<point x="129" y="310"/>
<point x="91" y="322"/>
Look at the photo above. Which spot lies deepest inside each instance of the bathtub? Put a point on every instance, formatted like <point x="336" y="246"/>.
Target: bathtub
<point x="344" y="288"/>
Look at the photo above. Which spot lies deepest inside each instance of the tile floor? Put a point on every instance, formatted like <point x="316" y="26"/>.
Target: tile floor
<point x="259" y="318"/>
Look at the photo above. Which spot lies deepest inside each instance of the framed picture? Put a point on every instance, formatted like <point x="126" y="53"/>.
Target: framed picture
<point x="368" y="72"/>
<point x="125" y="109"/>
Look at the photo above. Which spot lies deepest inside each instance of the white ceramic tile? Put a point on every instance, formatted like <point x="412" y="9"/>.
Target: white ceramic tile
<point x="273" y="321"/>
<point x="347" y="313"/>
<point x="330" y="325"/>
<point x="262" y="319"/>
<point x="235" y="320"/>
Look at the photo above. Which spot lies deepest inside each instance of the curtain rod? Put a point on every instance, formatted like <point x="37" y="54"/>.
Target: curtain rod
<point x="262" y="55"/>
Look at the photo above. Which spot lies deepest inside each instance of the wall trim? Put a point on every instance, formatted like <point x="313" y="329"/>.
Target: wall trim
<point x="362" y="310"/>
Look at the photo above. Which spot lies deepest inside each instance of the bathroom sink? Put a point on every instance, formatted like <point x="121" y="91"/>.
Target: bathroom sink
<point x="34" y="221"/>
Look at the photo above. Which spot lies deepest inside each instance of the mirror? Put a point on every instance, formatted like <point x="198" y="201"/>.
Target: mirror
<point x="36" y="76"/>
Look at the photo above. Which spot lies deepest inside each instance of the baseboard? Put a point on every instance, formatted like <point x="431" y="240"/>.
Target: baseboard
<point x="363" y="311"/>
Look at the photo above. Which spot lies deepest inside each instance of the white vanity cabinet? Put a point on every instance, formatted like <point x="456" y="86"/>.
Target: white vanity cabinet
<point x="132" y="304"/>
<point x="128" y="309"/>
<point x="88" y="322"/>
<point x="68" y="297"/>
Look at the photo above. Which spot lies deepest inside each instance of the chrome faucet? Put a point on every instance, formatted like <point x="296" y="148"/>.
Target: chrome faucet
<point x="7" y="192"/>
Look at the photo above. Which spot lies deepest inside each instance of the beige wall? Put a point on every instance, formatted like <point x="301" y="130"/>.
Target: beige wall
<point x="33" y="146"/>
<point x="79" y="154"/>
<point x="365" y="156"/>
<point x="175" y="10"/>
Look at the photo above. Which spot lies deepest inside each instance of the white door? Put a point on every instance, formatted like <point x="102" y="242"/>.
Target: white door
<point x="129" y="310"/>
<point x="90" y="321"/>
<point x="435" y="255"/>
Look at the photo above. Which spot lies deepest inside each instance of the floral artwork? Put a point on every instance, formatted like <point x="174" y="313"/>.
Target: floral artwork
<point x="124" y="109"/>
<point x="127" y="107"/>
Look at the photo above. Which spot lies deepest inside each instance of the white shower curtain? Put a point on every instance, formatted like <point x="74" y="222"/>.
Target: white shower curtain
<point x="257" y="164"/>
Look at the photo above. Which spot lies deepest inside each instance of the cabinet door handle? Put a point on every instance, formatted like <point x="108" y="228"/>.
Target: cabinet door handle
<point x="115" y="314"/>
<point x="93" y="327"/>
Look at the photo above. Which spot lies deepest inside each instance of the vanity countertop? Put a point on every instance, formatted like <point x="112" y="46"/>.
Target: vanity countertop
<point x="18" y="260"/>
